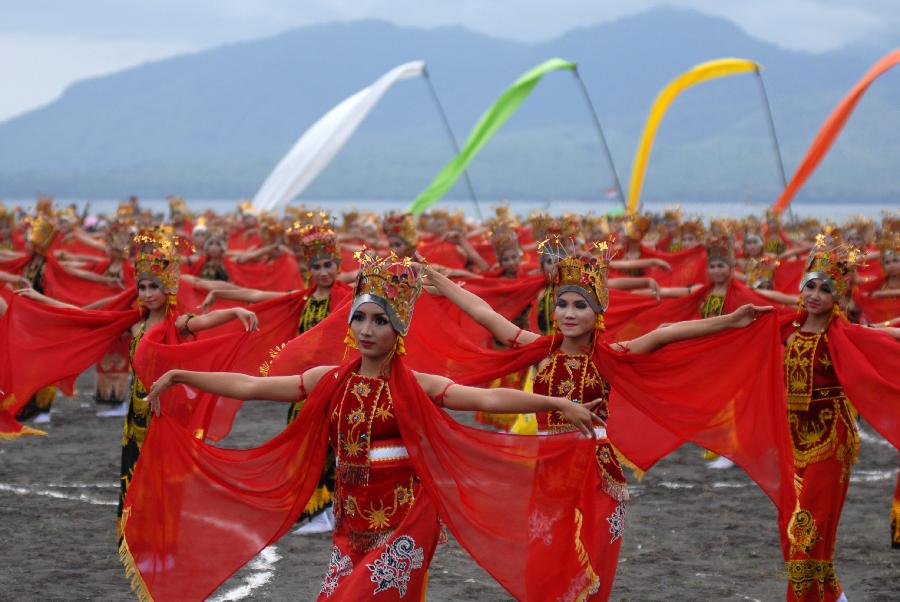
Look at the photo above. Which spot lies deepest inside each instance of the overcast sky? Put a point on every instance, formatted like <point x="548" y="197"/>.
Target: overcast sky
<point x="47" y="44"/>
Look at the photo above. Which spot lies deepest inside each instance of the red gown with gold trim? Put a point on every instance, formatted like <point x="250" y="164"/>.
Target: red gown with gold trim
<point x="384" y="539"/>
<point x="826" y="442"/>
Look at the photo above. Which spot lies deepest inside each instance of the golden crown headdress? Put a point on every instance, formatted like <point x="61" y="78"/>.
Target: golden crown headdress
<point x="504" y="238"/>
<point x="118" y="235"/>
<point x="636" y="226"/>
<point x="402" y="226"/>
<point x="176" y="204"/>
<point x="760" y="271"/>
<point x="720" y="247"/>
<point x="157" y="257"/>
<point x="585" y="275"/>
<point x="392" y="284"/>
<point x="6" y="215"/>
<point x="318" y="242"/>
<point x="41" y="232"/>
<point x="247" y="208"/>
<point x="832" y="262"/>
<point x="889" y="240"/>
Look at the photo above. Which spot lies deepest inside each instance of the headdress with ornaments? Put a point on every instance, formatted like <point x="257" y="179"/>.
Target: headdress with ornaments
<point x="318" y="242"/>
<point x="833" y="263"/>
<point x="760" y="271"/>
<point x="636" y="226"/>
<point x="176" y="205"/>
<point x="118" y="236"/>
<point x="6" y="216"/>
<point x="390" y="283"/>
<point x="402" y="226"/>
<point x="720" y="248"/>
<point x="157" y="257"/>
<point x="41" y="232"/>
<point x="504" y="238"/>
<point x="585" y="275"/>
<point x="247" y="208"/>
<point x="889" y="240"/>
<point x="543" y="226"/>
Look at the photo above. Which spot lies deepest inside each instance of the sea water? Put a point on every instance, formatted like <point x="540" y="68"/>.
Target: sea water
<point x="836" y="212"/>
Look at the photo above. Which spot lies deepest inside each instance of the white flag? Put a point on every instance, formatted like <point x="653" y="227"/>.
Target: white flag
<point x="320" y="143"/>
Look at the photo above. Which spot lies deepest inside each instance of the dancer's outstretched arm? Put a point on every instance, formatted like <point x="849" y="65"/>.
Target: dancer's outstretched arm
<point x="499" y="400"/>
<point x="239" y="386"/>
<point x="680" y="331"/>
<point x="477" y="308"/>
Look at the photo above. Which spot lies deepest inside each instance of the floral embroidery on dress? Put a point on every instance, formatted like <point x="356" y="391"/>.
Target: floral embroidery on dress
<point x="617" y="522"/>
<point x="339" y="566"/>
<point x="539" y="528"/>
<point x="395" y="565"/>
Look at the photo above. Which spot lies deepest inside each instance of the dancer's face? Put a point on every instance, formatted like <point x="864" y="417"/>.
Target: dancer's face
<point x="399" y="246"/>
<point x="153" y="297"/>
<point x="891" y="264"/>
<point x="214" y="250"/>
<point x="817" y="297"/>
<point x="323" y="271"/>
<point x="573" y="314"/>
<point x="752" y="247"/>
<point x="548" y="265"/>
<point x="372" y="329"/>
<point x="718" y="271"/>
<point x="509" y="261"/>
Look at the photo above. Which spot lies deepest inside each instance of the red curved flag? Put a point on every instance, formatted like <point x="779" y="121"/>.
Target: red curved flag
<point x="832" y="127"/>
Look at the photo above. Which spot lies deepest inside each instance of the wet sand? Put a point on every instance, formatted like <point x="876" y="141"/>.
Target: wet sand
<point x="693" y="533"/>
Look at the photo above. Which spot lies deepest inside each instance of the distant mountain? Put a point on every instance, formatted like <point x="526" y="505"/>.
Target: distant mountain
<point x="213" y="123"/>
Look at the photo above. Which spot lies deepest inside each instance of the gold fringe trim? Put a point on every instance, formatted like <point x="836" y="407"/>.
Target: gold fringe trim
<point x="321" y="497"/>
<point x="593" y="584"/>
<point x="624" y="461"/>
<point x="26" y="430"/>
<point x="131" y="571"/>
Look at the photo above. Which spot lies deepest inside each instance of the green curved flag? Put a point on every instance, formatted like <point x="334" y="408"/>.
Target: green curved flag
<point x="486" y="127"/>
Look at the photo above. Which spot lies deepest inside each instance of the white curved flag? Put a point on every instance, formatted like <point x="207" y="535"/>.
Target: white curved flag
<point x="318" y="145"/>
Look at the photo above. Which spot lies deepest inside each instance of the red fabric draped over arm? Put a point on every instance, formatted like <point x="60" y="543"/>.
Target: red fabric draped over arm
<point x="867" y="363"/>
<point x="44" y="345"/>
<point x="226" y="348"/>
<point x="724" y="392"/>
<point x="73" y="289"/>
<point x="196" y="513"/>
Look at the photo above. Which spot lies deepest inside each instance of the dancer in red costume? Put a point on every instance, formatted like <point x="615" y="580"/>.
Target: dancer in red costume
<point x="573" y="368"/>
<point x="402" y="464"/>
<point x="829" y="374"/>
<point x="156" y="274"/>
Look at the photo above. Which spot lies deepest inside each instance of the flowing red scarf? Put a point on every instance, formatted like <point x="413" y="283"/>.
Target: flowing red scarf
<point x="196" y="513"/>
<point x="46" y="345"/>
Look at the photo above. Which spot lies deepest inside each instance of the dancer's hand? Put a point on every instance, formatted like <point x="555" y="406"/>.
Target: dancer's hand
<point x="247" y="318"/>
<point x="207" y="303"/>
<point x="581" y="417"/>
<point x="165" y="381"/>
<point x="591" y="405"/>
<point x="746" y="314"/>
<point x="662" y="263"/>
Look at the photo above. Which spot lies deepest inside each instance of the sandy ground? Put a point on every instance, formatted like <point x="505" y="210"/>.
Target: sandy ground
<point x="693" y="533"/>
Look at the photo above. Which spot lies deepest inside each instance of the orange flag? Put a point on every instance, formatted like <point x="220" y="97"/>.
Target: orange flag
<point x="832" y="127"/>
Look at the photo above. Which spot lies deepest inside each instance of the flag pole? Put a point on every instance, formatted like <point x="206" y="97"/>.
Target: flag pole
<point x="452" y="137"/>
<point x="773" y="135"/>
<point x="596" y="120"/>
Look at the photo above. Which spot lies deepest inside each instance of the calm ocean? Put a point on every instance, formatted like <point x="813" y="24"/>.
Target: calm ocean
<point x="834" y="212"/>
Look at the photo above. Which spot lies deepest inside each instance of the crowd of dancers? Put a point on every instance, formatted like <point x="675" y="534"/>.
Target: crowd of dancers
<point x="577" y="340"/>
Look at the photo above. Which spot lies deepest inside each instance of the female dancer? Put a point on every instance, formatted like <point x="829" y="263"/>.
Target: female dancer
<point x="156" y="274"/>
<point x="823" y="420"/>
<point x="390" y="484"/>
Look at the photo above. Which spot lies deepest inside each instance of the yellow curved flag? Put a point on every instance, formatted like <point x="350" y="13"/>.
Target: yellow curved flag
<point x="698" y="74"/>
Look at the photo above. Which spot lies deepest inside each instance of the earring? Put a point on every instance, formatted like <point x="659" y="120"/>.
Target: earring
<point x="600" y="324"/>
<point x="349" y="343"/>
<point x="796" y="322"/>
